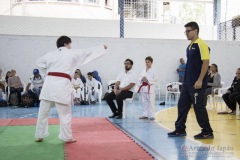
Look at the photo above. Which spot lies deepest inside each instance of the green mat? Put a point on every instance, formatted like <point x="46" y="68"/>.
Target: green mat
<point x="17" y="143"/>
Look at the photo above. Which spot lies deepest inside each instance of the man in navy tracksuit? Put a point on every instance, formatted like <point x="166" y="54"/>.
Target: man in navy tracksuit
<point x="194" y="84"/>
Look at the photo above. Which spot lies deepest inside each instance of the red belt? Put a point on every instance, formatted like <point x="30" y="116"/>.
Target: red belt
<point x="144" y="84"/>
<point x="59" y="74"/>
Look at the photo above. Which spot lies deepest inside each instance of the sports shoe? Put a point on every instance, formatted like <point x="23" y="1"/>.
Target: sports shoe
<point x="233" y="112"/>
<point x="152" y="118"/>
<point x="204" y="136"/>
<point x="143" y="117"/>
<point x="39" y="140"/>
<point x="177" y="134"/>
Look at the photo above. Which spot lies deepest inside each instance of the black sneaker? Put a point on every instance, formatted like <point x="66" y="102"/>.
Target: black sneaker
<point x="162" y="103"/>
<point x="204" y="136"/>
<point x="119" y="116"/>
<point x="177" y="134"/>
<point x="113" y="116"/>
<point x="233" y="112"/>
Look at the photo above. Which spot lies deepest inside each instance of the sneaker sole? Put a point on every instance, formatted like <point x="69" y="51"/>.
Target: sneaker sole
<point x="178" y="135"/>
<point x="203" y="137"/>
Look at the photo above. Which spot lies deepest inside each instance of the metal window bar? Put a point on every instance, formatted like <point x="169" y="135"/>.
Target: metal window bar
<point x="229" y="30"/>
<point x="140" y="9"/>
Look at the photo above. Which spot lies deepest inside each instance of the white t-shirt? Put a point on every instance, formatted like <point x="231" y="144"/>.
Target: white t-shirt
<point x="126" y="78"/>
<point x="37" y="82"/>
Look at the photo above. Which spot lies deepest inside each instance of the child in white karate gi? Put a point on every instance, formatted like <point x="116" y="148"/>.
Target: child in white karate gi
<point x="148" y="80"/>
<point x="59" y="66"/>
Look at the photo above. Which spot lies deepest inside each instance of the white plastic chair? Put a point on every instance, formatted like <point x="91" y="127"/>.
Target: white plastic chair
<point x="109" y="83"/>
<point x="211" y="99"/>
<point x="169" y="93"/>
<point x="218" y="97"/>
<point x="99" y="93"/>
<point x="128" y="100"/>
<point x="157" y="90"/>
<point x="237" y="110"/>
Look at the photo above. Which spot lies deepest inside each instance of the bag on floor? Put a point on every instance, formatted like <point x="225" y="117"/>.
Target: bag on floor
<point x="27" y="100"/>
<point x="3" y="103"/>
<point x="34" y="96"/>
<point x="84" y="103"/>
<point x="14" y="99"/>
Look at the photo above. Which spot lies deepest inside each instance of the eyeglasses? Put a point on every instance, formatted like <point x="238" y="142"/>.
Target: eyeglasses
<point x="76" y="72"/>
<point x="187" y="31"/>
<point x="126" y="63"/>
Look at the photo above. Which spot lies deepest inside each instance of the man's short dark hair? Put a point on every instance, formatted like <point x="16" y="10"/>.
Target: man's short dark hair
<point x="129" y="60"/>
<point x="63" y="40"/>
<point x="90" y="74"/>
<point x="149" y="58"/>
<point x="192" y="25"/>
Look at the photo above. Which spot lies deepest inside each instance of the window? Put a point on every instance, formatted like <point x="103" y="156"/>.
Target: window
<point x="91" y="1"/>
<point x="140" y="9"/>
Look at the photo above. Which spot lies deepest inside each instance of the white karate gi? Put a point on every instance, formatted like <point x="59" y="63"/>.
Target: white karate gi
<point x="58" y="90"/>
<point x="148" y="99"/>
<point x="77" y="82"/>
<point x="93" y="94"/>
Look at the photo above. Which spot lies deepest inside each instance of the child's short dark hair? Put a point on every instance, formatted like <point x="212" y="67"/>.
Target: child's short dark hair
<point x="90" y="74"/>
<point x="149" y="58"/>
<point x="63" y="40"/>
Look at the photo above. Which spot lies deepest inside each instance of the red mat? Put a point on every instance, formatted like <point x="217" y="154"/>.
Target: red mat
<point x="97" y="139"/>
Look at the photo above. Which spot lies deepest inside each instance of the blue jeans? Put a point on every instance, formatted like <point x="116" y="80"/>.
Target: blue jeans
<point x="37" y="90"/>
<point x="190" y="96"/>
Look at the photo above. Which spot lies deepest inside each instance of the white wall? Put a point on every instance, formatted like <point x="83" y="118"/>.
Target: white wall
<point x="21" y="52"/>
<point x="19" y="25"/>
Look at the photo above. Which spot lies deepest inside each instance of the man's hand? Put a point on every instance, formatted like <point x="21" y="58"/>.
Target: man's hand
<point x="198" y="84"/>
<point x="117" y="92"/>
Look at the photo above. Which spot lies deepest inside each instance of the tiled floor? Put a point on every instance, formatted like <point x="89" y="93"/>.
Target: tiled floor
<point x="152" y="135"/>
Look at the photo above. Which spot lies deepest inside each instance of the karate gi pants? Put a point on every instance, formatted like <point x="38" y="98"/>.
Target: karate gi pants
<point x="93" y="96"/>
<point x="148" y="102"/>
<point x="64" y="114"/>
<point x="77" y="93"/>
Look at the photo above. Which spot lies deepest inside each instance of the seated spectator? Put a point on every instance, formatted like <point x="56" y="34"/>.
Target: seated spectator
<point x="8" y="74"/>
<point x="214" y="81"/>
<point x="2" y="85"/>
<point x="37" y="81"/>
<point x="123" y="89"/>
<point x="96" y="76"/>
<point x="15" y="84"/>
<point x="233" y="94"/>
<point x="92" y="85"/>
<point x="81" y="76"/>
<point x="77" y="87"/>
